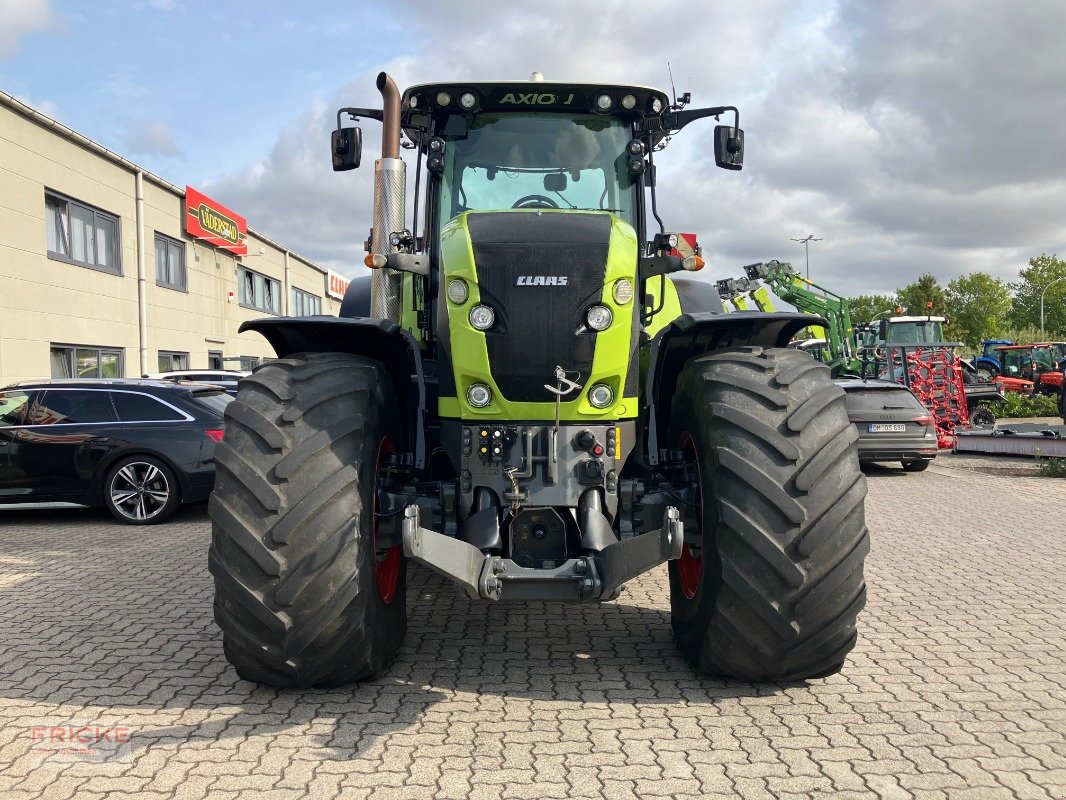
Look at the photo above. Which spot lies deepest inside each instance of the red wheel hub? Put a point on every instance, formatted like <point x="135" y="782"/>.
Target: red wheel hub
<point x="690" y="565"/>
<point x="387" y="563"/>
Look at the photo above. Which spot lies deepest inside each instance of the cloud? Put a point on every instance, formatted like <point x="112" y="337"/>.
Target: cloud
<point x="913" y="137"/>
<point x="21" y="17"/>
<point x="150" y="137"/>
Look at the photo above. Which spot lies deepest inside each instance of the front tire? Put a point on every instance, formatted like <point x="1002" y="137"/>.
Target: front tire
<point x="770" y="581"/>
<point x="303" y="595"/>
<point x="983" y="416"/>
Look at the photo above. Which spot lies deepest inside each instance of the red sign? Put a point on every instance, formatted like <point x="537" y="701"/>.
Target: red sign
<point x="336" y="284"/>
<point x="214" y="223"/>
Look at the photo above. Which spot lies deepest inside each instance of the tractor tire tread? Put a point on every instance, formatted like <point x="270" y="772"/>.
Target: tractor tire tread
<point x="296" y="596"/>
<point x="784" y="586"/>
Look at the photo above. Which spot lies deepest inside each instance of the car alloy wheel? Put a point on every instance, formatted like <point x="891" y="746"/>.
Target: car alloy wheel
<point x="139" y="491"/>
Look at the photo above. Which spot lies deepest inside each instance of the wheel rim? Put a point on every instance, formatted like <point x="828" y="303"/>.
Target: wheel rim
<point x="139" y="491"/>
<point x="387" y="563"/>
<point x="690" y="565"/>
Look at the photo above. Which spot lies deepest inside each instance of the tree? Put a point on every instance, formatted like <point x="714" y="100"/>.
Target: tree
<point x="867" y="307"/>
<point x="1025" y="311"/>
<point x="979" y="308"/>
<point x="923" y="297"/>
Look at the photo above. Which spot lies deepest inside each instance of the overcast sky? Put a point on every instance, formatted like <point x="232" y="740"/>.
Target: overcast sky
<point x="911" y="136"/>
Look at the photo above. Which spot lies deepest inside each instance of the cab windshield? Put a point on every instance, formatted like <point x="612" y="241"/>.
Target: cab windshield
<point x="925" y="332"/>
<point x="538" y="160"/>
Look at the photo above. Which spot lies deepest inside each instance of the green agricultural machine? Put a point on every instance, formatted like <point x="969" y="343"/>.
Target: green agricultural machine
<point x="530" y="395"/>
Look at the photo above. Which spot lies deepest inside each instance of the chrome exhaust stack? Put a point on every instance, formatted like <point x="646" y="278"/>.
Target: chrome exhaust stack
<point x="390" y="186"/>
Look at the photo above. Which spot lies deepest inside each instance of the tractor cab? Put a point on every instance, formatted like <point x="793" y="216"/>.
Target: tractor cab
<point x="1040" y="363"/>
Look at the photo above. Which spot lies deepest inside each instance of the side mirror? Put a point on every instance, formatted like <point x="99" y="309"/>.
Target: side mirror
<point x="346" y="145"/>
<point x="882" y="330"/>
<point x="728" y="147"/>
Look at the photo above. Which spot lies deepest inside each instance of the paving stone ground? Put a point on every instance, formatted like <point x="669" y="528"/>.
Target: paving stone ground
<point x="956" y="689"/>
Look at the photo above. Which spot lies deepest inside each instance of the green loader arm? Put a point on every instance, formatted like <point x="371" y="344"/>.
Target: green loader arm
<point x="811" y="298"/>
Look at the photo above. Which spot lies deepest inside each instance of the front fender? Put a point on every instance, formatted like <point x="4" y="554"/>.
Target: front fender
<point x="700" y="333"/>
<point x="380" y="339"/>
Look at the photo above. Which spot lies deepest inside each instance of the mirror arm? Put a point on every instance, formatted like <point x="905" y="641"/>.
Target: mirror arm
<point x="676" y="120"/>
<point x="356" y="113"/>
<point x="650" y="266"/>
<point x="415" y="263"/>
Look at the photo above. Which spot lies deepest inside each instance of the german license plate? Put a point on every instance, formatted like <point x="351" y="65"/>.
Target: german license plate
<point x="888" y="427"/>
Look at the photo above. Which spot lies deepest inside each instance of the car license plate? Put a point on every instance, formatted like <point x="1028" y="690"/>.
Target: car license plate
<point x="888" y="427"/>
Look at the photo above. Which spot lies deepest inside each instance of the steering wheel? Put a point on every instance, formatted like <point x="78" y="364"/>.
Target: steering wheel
<point x="535" y="201"/>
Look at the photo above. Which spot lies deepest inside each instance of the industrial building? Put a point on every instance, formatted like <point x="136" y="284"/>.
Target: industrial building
<point x="107" y="270"/>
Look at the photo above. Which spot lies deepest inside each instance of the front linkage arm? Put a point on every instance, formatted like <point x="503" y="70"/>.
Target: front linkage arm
<point x="597" y="576"/>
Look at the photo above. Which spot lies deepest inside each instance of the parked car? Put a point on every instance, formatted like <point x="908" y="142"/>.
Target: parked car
<point x="893" y="424"/>
<point x="226" y="378"/>
<point x="137" y="447"/>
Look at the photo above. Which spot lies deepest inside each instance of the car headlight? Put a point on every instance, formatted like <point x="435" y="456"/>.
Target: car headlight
<point x="482" y="317"/>
<point x="599" y="318"/>
<point x="601" y="395"/>
<point x="458" y="291"/>
<point x="623" y="291"/>
<point x="479" y="395"/>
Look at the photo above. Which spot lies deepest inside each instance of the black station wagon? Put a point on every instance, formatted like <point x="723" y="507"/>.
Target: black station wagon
<point x="140" y="448"/>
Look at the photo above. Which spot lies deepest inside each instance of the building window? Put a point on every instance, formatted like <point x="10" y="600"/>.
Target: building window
<point x="258" y="291"/>
<point x="75" y="361"/>
<point x="304" y="304"/>
<point x="214" y="359"/>
<point x="169" y="262"/>
<point x="82" y="235"/>
<point x="170" y="361"/>
<point x="248" y="363"/>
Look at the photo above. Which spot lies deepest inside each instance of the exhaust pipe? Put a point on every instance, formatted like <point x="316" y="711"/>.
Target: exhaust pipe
<point x="390" y="186"/>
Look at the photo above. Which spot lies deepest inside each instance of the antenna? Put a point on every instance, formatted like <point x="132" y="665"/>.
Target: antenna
<point x="686" y="98"/>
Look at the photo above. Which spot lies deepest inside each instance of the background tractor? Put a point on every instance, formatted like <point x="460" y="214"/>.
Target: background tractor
<point x="528" y="397"/>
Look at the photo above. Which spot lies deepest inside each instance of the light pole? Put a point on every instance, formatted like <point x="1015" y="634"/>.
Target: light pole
<point x="1042" y="294"/>
<point x="806" y="249"/>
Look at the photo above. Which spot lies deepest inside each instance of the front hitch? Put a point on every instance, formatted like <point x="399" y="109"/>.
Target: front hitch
<point x="597" y="576"/>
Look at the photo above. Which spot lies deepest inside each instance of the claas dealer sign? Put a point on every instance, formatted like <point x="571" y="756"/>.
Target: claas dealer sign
<point x="214" y="223"/>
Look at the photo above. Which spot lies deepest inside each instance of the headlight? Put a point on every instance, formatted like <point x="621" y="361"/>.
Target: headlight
<point x="458" y="291"/>
<point x="467" y="100"/>
<point x="482" y="317"/>
<point x="479" y="395"/>
<point x="603" y="102"/>
<point x="601" y="395"/>
<point x="623" y="291"/>
<point x="443" y="98"/>
<point x="629" y="102"/>
<point x="599" y="318"/>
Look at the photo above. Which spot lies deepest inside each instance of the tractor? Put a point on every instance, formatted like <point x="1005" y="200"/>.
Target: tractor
<point x="531" y="395"/>
<point x="1038" y="364"/>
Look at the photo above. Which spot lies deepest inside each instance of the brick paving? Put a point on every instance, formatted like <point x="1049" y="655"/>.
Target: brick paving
<point x="956" y="689"/>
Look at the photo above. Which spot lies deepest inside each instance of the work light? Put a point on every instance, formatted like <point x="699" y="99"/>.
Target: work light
<point x="479" y="395"/>
<point x="482" y="317"/>
<point x="601" y="395"/>
<point x="599" y="318"/>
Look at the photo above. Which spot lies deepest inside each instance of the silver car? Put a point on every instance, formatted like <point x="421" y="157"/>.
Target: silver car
<point x="893" y="424"/>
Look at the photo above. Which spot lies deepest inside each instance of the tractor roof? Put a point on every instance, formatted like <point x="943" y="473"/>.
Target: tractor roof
<point x="916" y="319"/>
<point x="626" y="101"/>
<point x="1030" y="346"/>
